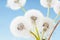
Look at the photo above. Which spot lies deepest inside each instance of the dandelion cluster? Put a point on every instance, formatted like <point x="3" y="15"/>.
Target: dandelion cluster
<point x="33" y="23"/>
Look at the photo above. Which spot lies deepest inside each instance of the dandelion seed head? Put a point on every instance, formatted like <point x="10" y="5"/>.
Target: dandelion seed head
<point x="46" y="25"/>
<point x="48" y="3"/>
<point x="15" y="4"/>
<point x="57" y="8"/>
<point x="33" y="14"/>
<point x="16" y="1"/>
<point x="20" y="27"/>
<point x="33" y="18"/>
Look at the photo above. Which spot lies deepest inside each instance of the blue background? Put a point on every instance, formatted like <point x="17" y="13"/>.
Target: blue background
<point x="7" y="15"/>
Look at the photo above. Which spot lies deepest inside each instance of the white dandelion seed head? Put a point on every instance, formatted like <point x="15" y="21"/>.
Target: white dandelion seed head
<point x="46" y="23"/>
<point x="50" y="27"/>
<point x="20" y="27"/>
<point x="15" y="4"/>
<point x="57" y="7"/>
<point x="39" y="25"/>
<point x="35" y="15"/>
<point x="48" y="3"/>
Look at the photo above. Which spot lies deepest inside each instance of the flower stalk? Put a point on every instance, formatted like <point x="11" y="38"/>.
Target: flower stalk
<point x="36" y="29"/>
<point x="34" y="34"/>
<point x="23" y="9"/>
<point x="56" y="17"/>
<point x="48" y="12"/>
<point x="53" y="29"/>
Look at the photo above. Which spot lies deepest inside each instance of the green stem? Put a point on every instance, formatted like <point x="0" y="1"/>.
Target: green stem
<point x="34" y="35"/>
<point x="43" y="34"/>
<point x="56" y="17"/>
<point x="23" y="9"/>
<point x="37" y="32"/>
<point x="36" y="29"/>
<point x="48" y="12"/>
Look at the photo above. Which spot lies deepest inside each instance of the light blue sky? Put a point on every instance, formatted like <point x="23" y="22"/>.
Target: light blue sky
<point x="6" y="16"/>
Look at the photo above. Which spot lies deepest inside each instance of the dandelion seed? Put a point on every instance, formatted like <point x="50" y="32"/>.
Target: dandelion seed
<point x="16" y="1"/>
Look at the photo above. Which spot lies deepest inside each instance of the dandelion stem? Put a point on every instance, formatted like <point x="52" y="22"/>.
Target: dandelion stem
<point x="53" y="29"/>
<point x="43" y="34"/>
<point x="48" y="12"/>
<point x="23" y="9"/>
<point x="56" y="17"/>
<point x="37" y="30"/>
<point x="34" y="35"/>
